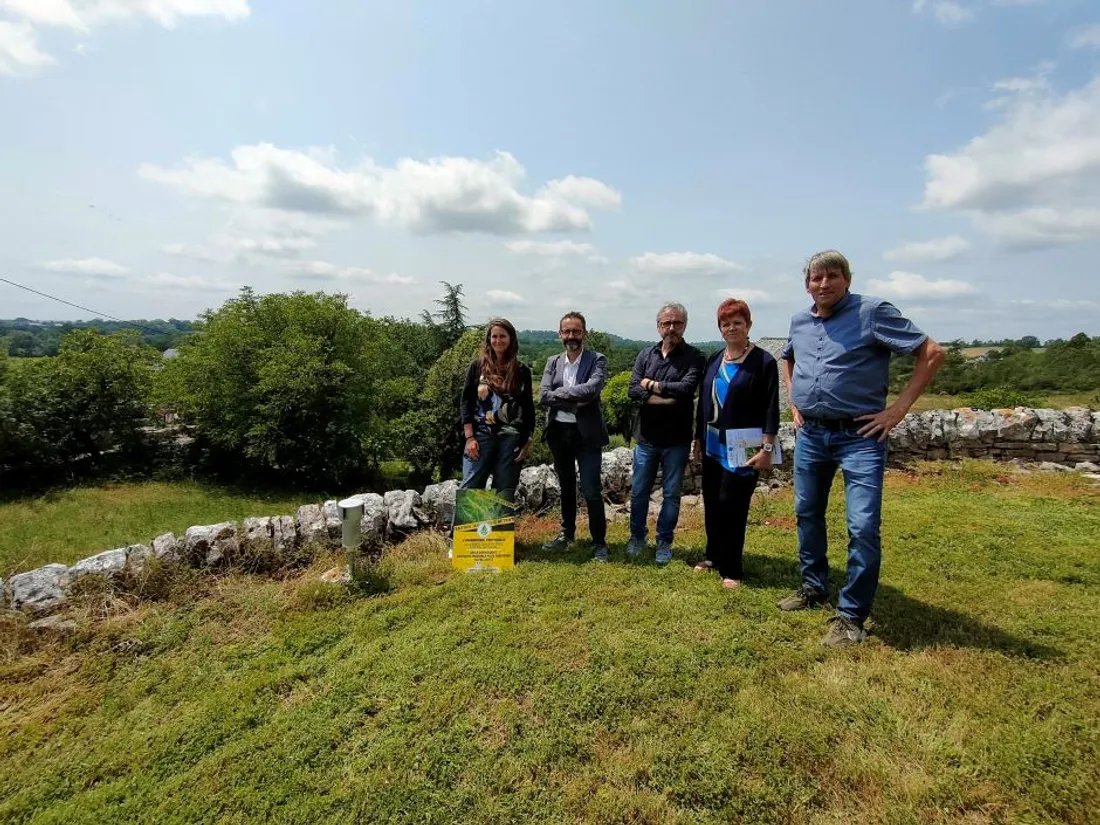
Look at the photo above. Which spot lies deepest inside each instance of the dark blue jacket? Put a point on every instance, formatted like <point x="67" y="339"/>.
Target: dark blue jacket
<point x="752" y="400"/>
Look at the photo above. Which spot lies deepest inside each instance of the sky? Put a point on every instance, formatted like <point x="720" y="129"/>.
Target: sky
<point x="157" y="155"/>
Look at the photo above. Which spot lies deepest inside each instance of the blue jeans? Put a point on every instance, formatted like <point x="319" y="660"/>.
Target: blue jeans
<point x="818" y="453"/>
<point x="647" y="459"/>
<point x="497" y="457"/>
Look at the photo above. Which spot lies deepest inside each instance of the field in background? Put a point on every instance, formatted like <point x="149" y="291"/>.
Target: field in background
<point x="1055" y="401"/>
<point x="567" y="692"/>
<point x="66" y="526"/>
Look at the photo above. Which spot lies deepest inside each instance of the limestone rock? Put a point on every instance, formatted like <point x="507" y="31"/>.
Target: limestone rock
<point x="1053" y="467"/>
<point x="138" y="557"/>
<point x="283" y="536"/>
<point x="403" y="513"/>
<point x="310" y="521"/>
<point x="166" y="548"/>
<point x="1014" y="425"/>
<point x="615" y="473"/>
<point x="333" y="522"/>
<point x="971" y="426"/>
<point x="210" y="544"/>
<point x="1087" y="467"/>
<point x="39" y="590"/>
<point x="376" y="517"/>
<point x="439" y="502"/>
<point x="1078" y="425"/>
<point x="107" y="565"/>
<point x="1052" y="426"/>
<point x="538" y="489"/>
<point x="337" y="575"/>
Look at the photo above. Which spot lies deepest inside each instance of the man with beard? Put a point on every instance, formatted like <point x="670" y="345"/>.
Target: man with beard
<point x="665" y="379"/>
<point x="575" y="430"/>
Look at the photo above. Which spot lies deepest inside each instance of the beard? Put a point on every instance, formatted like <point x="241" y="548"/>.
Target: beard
<point x="572" y="345"/>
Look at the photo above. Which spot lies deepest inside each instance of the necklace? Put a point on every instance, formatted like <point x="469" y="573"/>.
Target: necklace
<point x="739" y="358"/>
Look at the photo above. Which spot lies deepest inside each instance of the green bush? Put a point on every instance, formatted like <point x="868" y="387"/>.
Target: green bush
<point x="90" y="400"/>
<point x="617" y="406"/>
<point x="280" y="386"/>
<point x="994" y="398"/>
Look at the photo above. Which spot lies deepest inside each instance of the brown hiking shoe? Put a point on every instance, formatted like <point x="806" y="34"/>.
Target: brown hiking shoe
<point x="803" y="598"/>
<point x="843" y="632"/>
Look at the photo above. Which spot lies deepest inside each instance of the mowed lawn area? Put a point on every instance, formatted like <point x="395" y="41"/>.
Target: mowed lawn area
<point x="566" y="691"/>
<point x="1053" y="401"/>
<point x="68" y="525"/>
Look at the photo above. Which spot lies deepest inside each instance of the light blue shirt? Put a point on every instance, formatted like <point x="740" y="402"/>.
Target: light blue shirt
<point x="842" y="362"/>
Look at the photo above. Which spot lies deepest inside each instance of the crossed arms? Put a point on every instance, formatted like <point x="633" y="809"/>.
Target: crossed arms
<point x="569" y="398"/>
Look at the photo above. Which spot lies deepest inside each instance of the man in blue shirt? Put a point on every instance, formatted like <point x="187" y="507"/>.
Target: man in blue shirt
<point x="837" y="364"/>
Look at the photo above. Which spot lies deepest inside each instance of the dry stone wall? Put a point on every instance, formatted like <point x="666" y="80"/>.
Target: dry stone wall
<point x="1054" y="439"/>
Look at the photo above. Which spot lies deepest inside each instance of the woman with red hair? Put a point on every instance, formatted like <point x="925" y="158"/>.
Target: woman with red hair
<point x="740" y="391"/>
<point x="498" y="412"/>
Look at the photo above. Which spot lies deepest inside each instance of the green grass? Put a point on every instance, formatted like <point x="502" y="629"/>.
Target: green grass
<point x="1054" y="401"/>
<point x="567" y="692"/>
<point x="68" y="525"/>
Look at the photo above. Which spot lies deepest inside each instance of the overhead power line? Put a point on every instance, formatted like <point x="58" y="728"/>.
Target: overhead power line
<point x="86" y="309"/>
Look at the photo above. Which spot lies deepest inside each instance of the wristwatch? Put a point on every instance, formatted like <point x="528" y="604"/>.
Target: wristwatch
<point x="768" y="447"/>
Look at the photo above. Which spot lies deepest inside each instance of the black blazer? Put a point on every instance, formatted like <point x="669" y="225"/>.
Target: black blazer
<point x="524" y="395"/>
<point x="752" y="400"/>
<point x="583" y="398"/>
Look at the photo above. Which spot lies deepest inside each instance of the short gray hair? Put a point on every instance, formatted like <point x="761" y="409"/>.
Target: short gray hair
<point x="675" y="307"/>
<point x="829" y="259"/>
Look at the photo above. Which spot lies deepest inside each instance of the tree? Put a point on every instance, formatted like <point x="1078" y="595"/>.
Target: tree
<point x="449" y="321"/>
<point x="430" y="431"/>
<point x="281" y="384"/>
<point x="617" y="406"/>
<point x="91" y="399"/>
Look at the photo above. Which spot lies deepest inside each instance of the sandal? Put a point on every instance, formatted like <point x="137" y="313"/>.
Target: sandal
<point x="705" y="566"/>
<point x="730" y="584"/>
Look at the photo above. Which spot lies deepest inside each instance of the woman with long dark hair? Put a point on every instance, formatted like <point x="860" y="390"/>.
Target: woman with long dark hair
<point x="498" y="412"/>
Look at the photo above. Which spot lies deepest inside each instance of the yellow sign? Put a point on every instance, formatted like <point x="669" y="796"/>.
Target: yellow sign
<point x="485" y="532"/>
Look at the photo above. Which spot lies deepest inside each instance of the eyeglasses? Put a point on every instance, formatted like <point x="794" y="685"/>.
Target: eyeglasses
<point x="671" y="324"/>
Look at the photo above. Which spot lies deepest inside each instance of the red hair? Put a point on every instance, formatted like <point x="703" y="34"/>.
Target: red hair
<point x="731" y="307"/>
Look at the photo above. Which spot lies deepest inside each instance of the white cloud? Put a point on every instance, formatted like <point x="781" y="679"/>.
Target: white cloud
<point x="684" y="263"/>
<point x="447" y="194"/>
<point x="97" y="267"/>
<point x="324" y="271"/>
<point x="911" y="285"/>
<point x="187" y="283"/>
<point x="945" y="11"/>
<point x="81" y="14"/>
<point x="1087" y="38"/>
<point x="44" y="12"/>
<point x="1033" y="177"/>
<point x="504" y="298"/>
<point x="749" y="296"/>
<point x="19" y="52"/>
<point x="933" y="251"/>
<point x="587" y="191"/>
<point x="550" y="248"/>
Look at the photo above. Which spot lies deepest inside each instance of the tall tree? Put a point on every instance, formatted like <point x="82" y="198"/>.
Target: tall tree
<point x="449" y="321"/>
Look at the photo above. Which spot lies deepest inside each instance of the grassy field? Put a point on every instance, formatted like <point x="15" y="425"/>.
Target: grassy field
<point x="567" y="692"/>
<point x="69" y="525"/>
<point x="1055" y="401"/>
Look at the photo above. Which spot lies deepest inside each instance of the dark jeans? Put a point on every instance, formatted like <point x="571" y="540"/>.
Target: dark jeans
<point x="498" y="459"/>
<point x="647" y="460"/>
<point x="726" y="500"/>
<point x="570" y="453"/>
<point x="818" y="453"/>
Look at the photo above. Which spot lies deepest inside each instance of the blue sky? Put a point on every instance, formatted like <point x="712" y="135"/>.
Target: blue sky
<point x="158" y="154"/>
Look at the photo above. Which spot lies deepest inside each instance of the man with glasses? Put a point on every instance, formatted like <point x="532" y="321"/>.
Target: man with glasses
<point x="575" y="430"/>
<point x="665" y="379"/>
